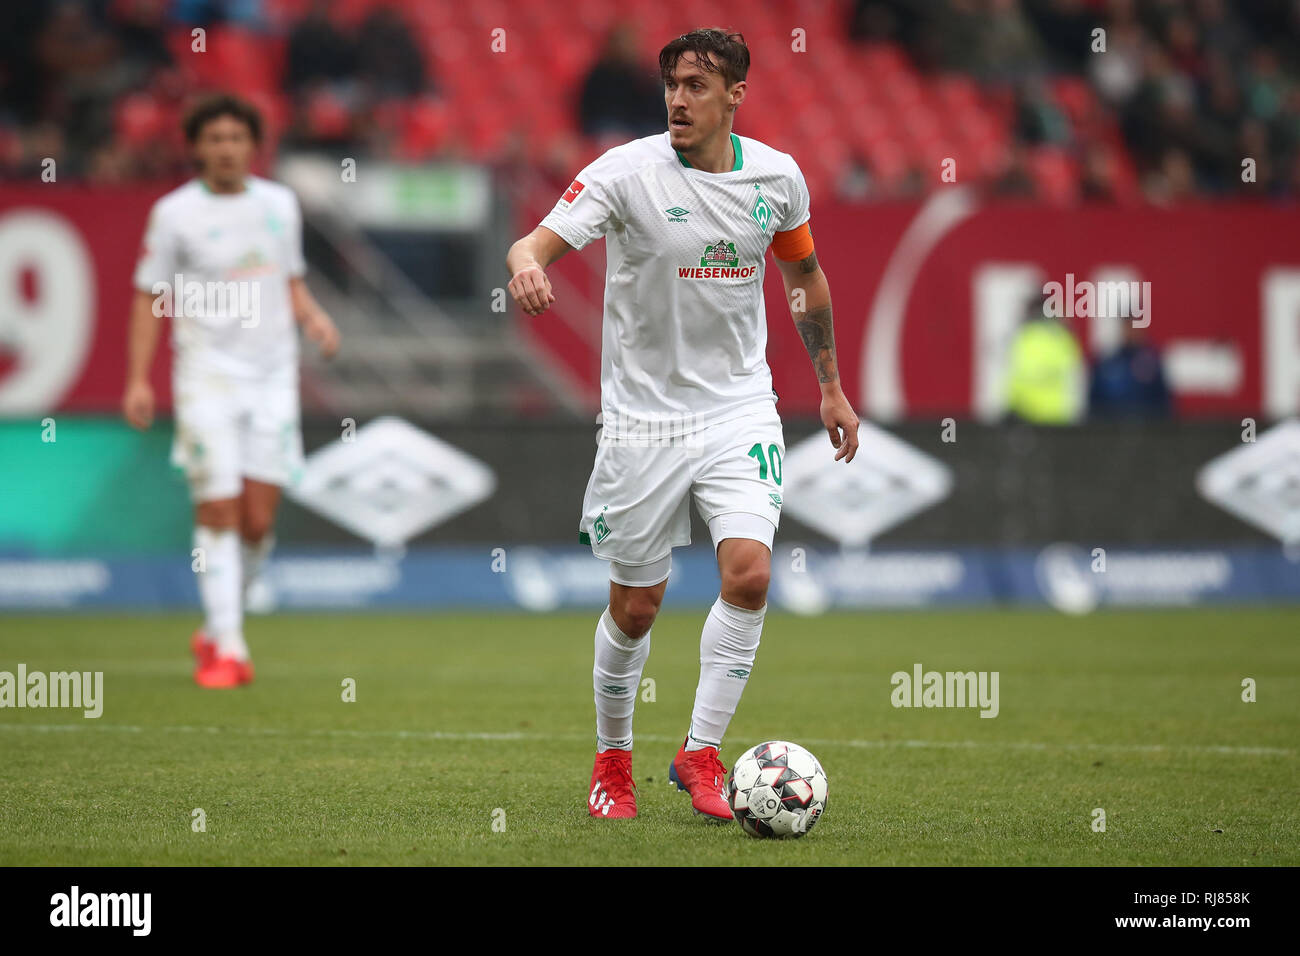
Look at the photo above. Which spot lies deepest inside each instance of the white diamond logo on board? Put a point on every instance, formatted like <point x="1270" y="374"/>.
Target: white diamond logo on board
<point x="392" y="482"/>
<point x="887" y="482"/>
<point x="1260" y="482"/>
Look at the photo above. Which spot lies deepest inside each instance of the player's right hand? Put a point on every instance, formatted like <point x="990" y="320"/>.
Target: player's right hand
<point x="137" y="404"/>
<point x="532" y="290"/>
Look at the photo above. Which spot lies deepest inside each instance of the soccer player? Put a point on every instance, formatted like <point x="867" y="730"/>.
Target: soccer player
<point x="687" y="404"/>
<point x="223" y="256"/>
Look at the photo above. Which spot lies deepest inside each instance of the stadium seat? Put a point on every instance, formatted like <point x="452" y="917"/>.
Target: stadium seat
<point x="327" y="117"/>
<point x="888" y="165"/>
<point x="139" y="119"/>
<point x="424" y="125"/>
<point x="1054" y="174"/>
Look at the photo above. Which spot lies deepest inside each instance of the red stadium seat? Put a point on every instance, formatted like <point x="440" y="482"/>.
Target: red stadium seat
<point x="488" y="132"/>
<point x="888" y="164"/>
<point x="139" y="119"/>
<point x="957" y="92"/>
<point x="1075" y="98"/>
<point x="867" y="126"/>
<point x="1055" y="175"/>
<point x="327" y="116"/>
<point x="881" y="61"/>
<point x="424" y="126"/>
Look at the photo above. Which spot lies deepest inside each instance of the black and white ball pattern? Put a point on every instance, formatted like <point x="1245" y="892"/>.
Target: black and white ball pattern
<point x="777" y="789"/>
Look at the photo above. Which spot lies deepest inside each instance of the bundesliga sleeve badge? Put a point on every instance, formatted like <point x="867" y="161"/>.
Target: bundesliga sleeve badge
<point x="571" y="194"/>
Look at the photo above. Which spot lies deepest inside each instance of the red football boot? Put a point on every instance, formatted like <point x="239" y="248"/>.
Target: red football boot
<point x="204" y="648"/>
<point x="613" y="792"/>
<point x="224" y="672"/>
<point x="701" y="774"/>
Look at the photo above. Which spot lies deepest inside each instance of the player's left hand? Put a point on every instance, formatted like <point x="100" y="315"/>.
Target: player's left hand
<point x="841" y="424"/>
<point x="319" y="329"/>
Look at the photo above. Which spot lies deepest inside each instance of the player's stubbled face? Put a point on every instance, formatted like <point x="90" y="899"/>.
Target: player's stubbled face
<point x="697" y="102"/>
<point x="224" y="149"/>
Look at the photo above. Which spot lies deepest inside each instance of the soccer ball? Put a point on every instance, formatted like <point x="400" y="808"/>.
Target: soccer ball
<point x="777" y="789"/>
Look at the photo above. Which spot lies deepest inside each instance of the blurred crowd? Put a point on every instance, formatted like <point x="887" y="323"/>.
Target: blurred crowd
<point x="1195" y="86"/>
<point x="1165" y="103"/>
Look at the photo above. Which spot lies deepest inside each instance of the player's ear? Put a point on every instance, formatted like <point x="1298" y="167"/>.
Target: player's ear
<point x="738" y="95"/>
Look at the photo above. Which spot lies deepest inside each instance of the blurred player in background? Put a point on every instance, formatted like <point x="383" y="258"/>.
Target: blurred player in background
<point x="223" y="256"/>
<point x="688" y="216"/>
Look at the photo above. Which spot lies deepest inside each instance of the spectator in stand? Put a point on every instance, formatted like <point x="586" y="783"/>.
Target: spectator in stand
<point x="1117" y="74"/>
<point x="22" y="86"/>
<point x="245" y="13"/>
<point x="1184" y="44"/>
<point x="1007" y="47"/>
<point x="917" y="28"/>
<point x="82" y="77"/>
<point x="141" y="30"/>
<point x="1173" y="181"/>
<point x="1221" y="119"/>
<point x="1015" y="181"/>
<point x="1097" y="178"/>
<point x="1038" y="120"/>
<point x="1288" y="128"/>
<point x="1184" y="90"/>
<point x="1130" y="382"/>
<point x="620" y="96"/>
<point x="1265" y="85"/>
<point x="389" y="64"/>
<point x="1066" y="29"/>
<point x="339" y="83"/>
<point x="317" y="53"/>
<point x="1046" y="376"/>
<point x="1222" y="32"/>
<point x="321" y="76"/>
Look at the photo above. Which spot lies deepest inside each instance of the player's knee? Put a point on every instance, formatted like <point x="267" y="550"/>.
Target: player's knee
<point x="746" y="585"/>
<point x="640" y="618"/>
<point x="221" y="514"/>
<point x="255" y="524"/>
<point x="637" y="614"/>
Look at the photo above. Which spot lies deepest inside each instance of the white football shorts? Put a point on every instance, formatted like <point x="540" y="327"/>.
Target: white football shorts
<point x="636" y="508"/>
<point x="228" y="429"/>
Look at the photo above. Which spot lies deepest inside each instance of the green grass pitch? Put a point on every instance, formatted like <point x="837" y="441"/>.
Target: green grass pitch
<point x="464" y="720"/>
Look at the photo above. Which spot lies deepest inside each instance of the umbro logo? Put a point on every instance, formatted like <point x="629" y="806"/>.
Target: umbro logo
<point x="677" y="214"/>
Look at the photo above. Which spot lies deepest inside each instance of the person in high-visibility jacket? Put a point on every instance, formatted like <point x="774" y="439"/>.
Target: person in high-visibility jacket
<point x="1046" y="375"/>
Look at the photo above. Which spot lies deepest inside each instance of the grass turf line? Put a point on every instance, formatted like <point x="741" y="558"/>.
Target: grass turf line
<point x="1139" y="713"/>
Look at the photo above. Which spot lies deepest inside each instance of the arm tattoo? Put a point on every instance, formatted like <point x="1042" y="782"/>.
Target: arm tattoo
<point x="818" y="336"/>
<point x="809" y="265"/>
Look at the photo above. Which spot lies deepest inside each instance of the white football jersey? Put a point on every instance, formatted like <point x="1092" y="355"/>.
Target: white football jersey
<point x="225" y="260"/>
<point x="684" y="342"/>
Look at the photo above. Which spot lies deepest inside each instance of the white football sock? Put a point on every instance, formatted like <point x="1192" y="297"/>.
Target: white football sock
<point x="253" y="558"/>
<point x="220" y="590"/>
<point x="616" y="678"/>
<point x="728" y="644"/>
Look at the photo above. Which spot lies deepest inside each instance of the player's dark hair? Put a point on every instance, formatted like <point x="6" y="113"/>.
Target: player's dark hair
<point x="216" y="106"/>
<point x="715" y="50"/>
